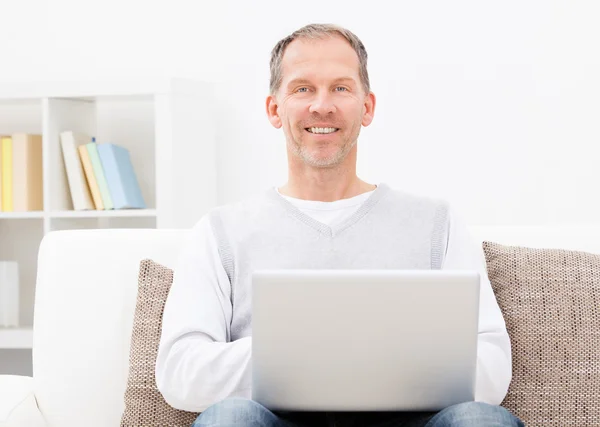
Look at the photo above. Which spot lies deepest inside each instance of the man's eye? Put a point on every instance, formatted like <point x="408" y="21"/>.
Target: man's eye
<point x="300" y="89"/>
<point x="341" y="87"/>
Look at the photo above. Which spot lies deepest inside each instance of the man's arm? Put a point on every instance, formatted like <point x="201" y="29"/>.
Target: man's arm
<point x="197" y="365"/>
<point x="494" y="361"/>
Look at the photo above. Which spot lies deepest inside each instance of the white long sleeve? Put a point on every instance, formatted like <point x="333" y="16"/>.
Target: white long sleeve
<point x="196" y="365"/>
<point x="494" y="361"/>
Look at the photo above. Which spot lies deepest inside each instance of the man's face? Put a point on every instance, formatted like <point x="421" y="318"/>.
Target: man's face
<point x="321" y="103"/>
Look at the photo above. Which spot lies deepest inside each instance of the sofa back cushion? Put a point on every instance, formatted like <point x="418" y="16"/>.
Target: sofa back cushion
<point x="550" y="299"/>
<point x="85" y="297"/>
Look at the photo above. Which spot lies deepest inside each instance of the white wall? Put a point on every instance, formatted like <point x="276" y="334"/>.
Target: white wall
<point x="493" y="105"/>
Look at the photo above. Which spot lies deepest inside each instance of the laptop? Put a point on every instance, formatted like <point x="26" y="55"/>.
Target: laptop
<point x="364" y="340"/>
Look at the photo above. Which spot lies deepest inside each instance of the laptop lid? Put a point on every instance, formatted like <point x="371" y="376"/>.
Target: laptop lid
<point x="364" y="340"/>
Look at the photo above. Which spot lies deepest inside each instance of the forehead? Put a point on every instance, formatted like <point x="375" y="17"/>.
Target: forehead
<point x="327" y="57"/>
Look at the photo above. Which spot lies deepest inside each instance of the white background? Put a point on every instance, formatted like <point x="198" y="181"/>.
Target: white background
<point x="494" y="106"/>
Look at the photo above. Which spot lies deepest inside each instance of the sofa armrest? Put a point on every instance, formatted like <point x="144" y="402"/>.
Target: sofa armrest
<point x="18" y="407"/>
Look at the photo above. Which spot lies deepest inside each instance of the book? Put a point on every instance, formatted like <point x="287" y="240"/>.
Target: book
<point x="92" y="150"/>
<point x="1" y="136"/>
<point x="81" y="195"/>
<point x="120" y="177"/>
<point x="7" y="198"/>
<point x="91" y="178"/>
<point x="27" y="167"/>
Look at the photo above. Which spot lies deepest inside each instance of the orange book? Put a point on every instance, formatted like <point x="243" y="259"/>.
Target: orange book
<point x="91" y="178"/>
<point x="27" y="168"/>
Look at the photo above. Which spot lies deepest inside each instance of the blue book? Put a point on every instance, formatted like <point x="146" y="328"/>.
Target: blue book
<point x="120" y="177"/>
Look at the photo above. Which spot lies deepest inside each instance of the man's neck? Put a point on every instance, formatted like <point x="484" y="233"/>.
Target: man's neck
<point x="324" y="184"/>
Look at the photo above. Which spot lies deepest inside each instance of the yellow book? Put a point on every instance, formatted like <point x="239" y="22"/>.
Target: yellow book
<point x="7" y="196"/>
<point x="1" y="173"/>
<point x="91" y="178"/>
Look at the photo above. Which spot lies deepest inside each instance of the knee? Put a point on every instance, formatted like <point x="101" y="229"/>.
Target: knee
<point x="234" y="411"/>
<point x="471" y="414"/>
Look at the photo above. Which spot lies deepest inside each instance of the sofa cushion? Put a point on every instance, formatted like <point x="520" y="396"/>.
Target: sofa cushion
<point x="144" y="405"/>
<point x="550" y="301"/>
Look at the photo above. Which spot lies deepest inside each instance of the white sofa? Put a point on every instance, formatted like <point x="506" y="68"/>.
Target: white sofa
<point x="84" y="307"/>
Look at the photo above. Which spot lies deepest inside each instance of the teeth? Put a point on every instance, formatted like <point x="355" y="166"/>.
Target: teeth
<point x="322" y="130"/>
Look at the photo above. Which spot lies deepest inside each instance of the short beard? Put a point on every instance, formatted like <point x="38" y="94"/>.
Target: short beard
<point x="316" y="161"/>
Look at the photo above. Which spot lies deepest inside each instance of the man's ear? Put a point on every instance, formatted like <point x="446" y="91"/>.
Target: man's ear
<point x="369" y="113"/>
<point x="272" y="111"/>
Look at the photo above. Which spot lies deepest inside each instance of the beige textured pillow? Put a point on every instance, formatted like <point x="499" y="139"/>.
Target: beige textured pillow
<point x="144" y="405"/>
<point x="550" y="299"/>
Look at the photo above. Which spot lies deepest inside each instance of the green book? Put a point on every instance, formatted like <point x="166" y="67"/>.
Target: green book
<point x="92" y="150"/>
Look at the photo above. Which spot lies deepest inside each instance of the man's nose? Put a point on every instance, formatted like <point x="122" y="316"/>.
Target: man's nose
<point x="322" y="104"/>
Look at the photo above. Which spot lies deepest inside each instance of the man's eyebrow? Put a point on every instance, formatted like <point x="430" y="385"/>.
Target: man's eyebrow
<point x="306" y="81"/>
<point x="297" y="82"/>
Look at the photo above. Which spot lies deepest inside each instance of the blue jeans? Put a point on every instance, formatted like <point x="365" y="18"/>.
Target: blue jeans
<point x="238" y="412"/>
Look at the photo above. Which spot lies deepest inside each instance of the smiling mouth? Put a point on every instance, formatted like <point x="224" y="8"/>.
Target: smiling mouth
<point x="321" y="131"/>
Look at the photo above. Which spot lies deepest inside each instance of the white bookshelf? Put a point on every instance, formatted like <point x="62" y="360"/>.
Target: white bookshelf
<point x="168" y="128"/>
<point x="17" y="338"/>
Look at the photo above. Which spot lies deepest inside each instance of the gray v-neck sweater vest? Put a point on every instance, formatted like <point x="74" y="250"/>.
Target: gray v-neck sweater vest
<point x="391" y="230"/>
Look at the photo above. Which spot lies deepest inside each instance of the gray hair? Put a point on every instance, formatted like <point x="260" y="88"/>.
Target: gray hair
<point x="318" y="31"/>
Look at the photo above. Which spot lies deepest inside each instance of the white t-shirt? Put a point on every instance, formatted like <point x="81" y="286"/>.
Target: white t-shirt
<point x="329" y="213"/>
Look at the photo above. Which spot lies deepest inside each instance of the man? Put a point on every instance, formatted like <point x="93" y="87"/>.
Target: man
<point x="323" y="217"/>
